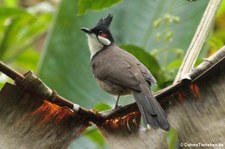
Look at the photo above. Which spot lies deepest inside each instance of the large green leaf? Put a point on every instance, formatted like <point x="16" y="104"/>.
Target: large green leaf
<point x="64" y="65"/>
<point x="6" y="12"/>
<point x="85" y="5"/>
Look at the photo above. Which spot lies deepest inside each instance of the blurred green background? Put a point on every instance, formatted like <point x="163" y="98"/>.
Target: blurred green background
<point x="44" y="36"/>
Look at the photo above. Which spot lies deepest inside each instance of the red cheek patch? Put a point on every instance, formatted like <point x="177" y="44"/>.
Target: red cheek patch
<point x="104" y="35"/>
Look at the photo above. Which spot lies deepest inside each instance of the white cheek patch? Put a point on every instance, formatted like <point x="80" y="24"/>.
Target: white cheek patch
<point x="104" y="41"/>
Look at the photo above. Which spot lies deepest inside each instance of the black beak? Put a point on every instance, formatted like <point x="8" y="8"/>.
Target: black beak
<point x="86" y="30"/>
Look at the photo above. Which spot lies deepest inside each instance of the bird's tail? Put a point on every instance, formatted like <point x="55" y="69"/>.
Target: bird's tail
<point x="150" y="109"/>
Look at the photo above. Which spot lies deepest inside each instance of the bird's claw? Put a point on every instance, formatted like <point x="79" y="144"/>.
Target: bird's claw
<point x="117" y="107"/>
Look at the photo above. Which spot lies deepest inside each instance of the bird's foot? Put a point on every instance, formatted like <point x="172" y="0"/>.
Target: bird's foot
<point x="117" y="106"/>
<point x="117" y="101"/>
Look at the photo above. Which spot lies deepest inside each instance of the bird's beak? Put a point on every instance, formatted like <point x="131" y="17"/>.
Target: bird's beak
<point x="86" y="30"/>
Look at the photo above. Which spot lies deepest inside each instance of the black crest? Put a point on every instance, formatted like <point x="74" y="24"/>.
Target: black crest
<point x="105" y="22"/>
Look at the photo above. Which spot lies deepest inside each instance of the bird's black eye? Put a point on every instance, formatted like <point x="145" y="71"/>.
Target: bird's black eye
<point x="100" y="32"/>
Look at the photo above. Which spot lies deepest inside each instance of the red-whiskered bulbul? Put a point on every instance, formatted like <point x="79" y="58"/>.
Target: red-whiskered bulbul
<point x="120" y="73"/>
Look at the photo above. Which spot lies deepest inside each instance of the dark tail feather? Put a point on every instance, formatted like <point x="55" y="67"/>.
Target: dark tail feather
<point x="150" y="109"/>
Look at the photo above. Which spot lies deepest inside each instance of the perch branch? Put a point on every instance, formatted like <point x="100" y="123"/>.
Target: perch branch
<point x="198" y="39"/>
<point x="10" y="72"/>
<point x="59" y="100"/>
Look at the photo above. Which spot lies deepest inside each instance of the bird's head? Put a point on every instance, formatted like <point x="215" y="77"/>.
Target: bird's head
<point x="99" y="36"/>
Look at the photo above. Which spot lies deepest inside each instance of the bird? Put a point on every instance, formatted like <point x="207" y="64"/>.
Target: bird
<point x="120" y="73"/>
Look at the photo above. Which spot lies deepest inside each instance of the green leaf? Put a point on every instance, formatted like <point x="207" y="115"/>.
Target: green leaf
<point x="11" y="3"/>
<point x="101" y="106"/>
<point x="172" y="139"/>
<point x="9" y="12"/>
<point x="27" y="60"/>
<point x="215" y="42"/>
<point x="19" y="31"/>
<point x="95" y="136"/>
<point x="221" y="9"/>
<point x="174" y="65"/>
<point x="86" y="5"/>
<point x="148" y="60"/>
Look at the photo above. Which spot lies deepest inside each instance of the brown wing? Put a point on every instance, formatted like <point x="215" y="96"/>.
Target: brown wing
<point x="120" y="74"/>
<point x="147" y="74"/>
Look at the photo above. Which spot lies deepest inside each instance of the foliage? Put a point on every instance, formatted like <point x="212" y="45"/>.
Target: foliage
<point x="217" y="39"/>
<point x="19" y="31"/>
<point x="172" y="139"/>
<point x="85" y="5"/>
<point x="169" y="64"/>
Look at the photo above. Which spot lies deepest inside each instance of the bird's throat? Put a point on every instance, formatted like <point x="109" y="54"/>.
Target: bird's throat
<point x="96" y="44"/>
